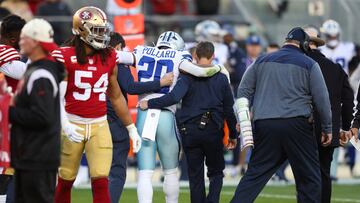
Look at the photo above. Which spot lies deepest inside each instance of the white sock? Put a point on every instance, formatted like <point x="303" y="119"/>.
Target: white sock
<point x="2" y="198"/>
<point x="144" y="187"/>
<point x="171" y="185"/>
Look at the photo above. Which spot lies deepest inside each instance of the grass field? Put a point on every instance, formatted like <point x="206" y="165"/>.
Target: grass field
<point x="271" y="194"/>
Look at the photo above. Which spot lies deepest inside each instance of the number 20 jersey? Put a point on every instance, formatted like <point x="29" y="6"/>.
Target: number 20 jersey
<point x="87" y="83"/>
<point x="153" y="63"/>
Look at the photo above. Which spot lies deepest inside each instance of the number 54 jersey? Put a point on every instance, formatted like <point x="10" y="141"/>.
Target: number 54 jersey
<point x="87" y="83"/>
<point x="153" y="63"/>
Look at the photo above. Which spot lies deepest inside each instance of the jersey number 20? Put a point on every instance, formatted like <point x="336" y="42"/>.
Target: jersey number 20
<point x="156" y="75"/>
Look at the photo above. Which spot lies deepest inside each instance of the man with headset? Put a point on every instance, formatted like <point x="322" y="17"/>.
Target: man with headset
<point x="342" y="103"/>
<point x="282" y="86"/>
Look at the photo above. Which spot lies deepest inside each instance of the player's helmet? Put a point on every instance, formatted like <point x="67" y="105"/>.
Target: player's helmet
<point x="91" y="24"/>
<point x="331" y="30"/>
<point x="207" y="30"/>
<point x="170" y="39"/>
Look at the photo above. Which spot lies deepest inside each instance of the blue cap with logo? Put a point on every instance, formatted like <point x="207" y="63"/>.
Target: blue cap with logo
<point x="297" y="34"/>
<point x="253" y="40"/>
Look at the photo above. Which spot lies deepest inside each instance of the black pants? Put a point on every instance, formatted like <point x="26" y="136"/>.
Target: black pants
<point x="325" y="156"/>
<point x="275" y="141"/>
<point x="34" y="186"/>
<point x="200" y="145"/>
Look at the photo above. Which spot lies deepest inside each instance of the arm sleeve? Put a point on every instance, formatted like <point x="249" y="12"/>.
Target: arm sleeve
<point x="126" y="81"/>
<point x="188" y="67"/>
<point x="37" y="114"/>
<point x="173" y="97"/>
<point x="248" y="83"/>
<point x="62" y="92"/>
<point x="347" y="101"/>
<point x="320" y="97"/>
<point x="14" y="69"/>
<point x="125" y="57"/>
<point x="229" y="110"/>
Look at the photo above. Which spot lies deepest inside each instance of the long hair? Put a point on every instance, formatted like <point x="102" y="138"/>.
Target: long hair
<point x="80" y="50"/>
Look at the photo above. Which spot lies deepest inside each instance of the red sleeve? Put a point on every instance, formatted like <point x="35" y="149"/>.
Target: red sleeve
<point x="58" y="55"/>
<point x="7" y="54"/>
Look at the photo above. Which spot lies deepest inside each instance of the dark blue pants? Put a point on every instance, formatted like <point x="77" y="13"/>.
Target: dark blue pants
<point x="275" y="141"/>
<point x="7" y="187"/>
<point x="325" y="157"/>
<point x="200" y="145"/>
<point x="10" y="195"/>
<point x="184" y="169"/>
<point x="121" y="146"/>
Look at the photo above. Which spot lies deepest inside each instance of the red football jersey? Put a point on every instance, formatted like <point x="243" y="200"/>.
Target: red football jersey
<point x="87" y="84"/>
<point x="8" y="54"/>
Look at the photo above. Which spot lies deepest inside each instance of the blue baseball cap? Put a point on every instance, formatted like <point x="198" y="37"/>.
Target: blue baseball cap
<point x="253" y="40"/>
<point x="297" y="34"/>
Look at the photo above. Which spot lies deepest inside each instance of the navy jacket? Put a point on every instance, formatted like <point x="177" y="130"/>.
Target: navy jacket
<point x="129" y="86"/>
<point x="200" y="95"/>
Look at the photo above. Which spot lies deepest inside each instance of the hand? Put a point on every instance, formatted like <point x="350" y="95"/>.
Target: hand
<point x="167" y="79"/>
<point x="238" y="127"/>
<point x="143" y="104"/>
<point x="134" y="136"/>
<point x="72" y="132"/>
<point x="212" y="70"/>
<point x="344" y="136"/>
<point x="231" y="144"/>
<point x="326" y="139"/>
<point x="355" y="133"/>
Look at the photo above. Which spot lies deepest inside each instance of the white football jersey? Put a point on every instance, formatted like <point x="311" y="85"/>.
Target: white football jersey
<point x="221" y="52"/>
<point x="342" y="54"/>
<point x="153" y="63"/>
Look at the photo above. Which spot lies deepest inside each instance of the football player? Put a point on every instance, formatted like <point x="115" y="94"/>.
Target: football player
<point x="13" y="69"/>
<point x="92" y="74"/>
<point x="10" y="63"/>
<point x="209" y="30"/>
<point x="152" y="63"/>
<point x="335" y="49"/>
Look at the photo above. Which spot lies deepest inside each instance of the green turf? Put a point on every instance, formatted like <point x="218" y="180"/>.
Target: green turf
<point x="271" y="194"/>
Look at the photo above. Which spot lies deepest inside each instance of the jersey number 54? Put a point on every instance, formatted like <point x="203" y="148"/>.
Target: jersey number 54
<point x="99" y="87"/>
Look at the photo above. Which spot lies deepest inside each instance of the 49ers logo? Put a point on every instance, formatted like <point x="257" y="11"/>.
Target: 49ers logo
<point x="86" y="15"/>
